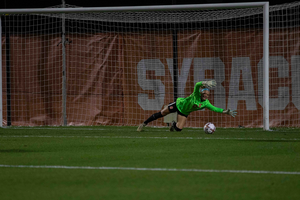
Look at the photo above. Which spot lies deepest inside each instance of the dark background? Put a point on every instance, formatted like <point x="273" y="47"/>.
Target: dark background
<point x="105" y="3"/>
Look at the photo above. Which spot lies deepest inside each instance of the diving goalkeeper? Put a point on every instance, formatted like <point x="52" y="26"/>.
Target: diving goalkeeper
<point x="198" y="100"/>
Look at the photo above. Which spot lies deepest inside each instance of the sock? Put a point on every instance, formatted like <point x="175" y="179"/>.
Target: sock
<point x="175" y="127"/>
<point x="153" y="117"/>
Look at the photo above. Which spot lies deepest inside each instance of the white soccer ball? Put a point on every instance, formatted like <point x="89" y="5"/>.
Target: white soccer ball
<point x="209" y="128"/>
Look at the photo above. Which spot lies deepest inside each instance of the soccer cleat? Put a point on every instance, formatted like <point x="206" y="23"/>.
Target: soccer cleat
<point x="141" y="126"/>
<point x="172" y="127"/>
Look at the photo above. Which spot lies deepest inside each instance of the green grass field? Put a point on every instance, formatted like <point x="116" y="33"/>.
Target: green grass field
<point x="120" y="163"/>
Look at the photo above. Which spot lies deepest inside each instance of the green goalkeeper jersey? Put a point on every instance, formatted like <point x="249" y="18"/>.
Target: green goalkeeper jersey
<point x="194" y="103"/>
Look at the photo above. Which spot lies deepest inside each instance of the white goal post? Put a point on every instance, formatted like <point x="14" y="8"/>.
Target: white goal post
<point x="193" y="51"/>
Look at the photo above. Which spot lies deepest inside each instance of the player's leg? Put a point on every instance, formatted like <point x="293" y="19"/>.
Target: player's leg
<point x="158" y="115"/>
<point x="165" y="111"/>
<point x="181" y="119"/>
<point x="155" y="116"/>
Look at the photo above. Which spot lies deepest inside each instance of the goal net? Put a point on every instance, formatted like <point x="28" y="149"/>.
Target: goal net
<point x="120" y="67"/>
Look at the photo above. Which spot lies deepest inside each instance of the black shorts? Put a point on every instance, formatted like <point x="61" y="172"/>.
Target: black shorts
<point x="173" y="108"/>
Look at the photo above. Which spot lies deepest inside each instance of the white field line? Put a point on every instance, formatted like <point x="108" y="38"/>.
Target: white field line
<point x="150" y="169"/>
<point x="136" y="137"/>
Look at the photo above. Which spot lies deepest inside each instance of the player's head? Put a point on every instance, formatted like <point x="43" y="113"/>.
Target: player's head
<point x="204" y="93"/>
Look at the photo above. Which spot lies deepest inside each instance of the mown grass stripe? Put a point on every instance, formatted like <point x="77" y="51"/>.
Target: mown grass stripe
<point x="136" y="137"/>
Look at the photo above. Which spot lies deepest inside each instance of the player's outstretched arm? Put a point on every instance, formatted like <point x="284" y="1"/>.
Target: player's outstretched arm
<point x="209" y="84"/>
<point x="230" y="112"/>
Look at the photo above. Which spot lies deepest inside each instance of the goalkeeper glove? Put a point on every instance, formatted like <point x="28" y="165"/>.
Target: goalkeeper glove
<point x="230" y="112"/>
<point x="209" y="84"/>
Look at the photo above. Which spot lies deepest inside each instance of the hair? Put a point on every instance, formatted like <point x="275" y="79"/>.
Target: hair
<point x="202" y="90"/>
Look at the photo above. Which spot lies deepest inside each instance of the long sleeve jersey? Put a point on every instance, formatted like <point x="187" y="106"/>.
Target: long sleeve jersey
<point x="194" y="103"/>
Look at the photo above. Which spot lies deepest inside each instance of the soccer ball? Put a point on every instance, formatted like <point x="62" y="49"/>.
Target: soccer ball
<point x="209" y="128"/>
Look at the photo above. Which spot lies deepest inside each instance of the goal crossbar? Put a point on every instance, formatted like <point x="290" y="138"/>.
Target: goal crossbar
<point x="134" y="8"/>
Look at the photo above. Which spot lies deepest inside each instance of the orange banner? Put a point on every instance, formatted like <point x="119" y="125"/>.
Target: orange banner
<point x="123" y="78"/>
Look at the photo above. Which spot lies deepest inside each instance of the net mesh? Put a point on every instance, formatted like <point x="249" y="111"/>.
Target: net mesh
<point x="121" y="66"/>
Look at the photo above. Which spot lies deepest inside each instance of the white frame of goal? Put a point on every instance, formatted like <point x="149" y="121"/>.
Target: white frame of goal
<point x="265" y="6"/>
